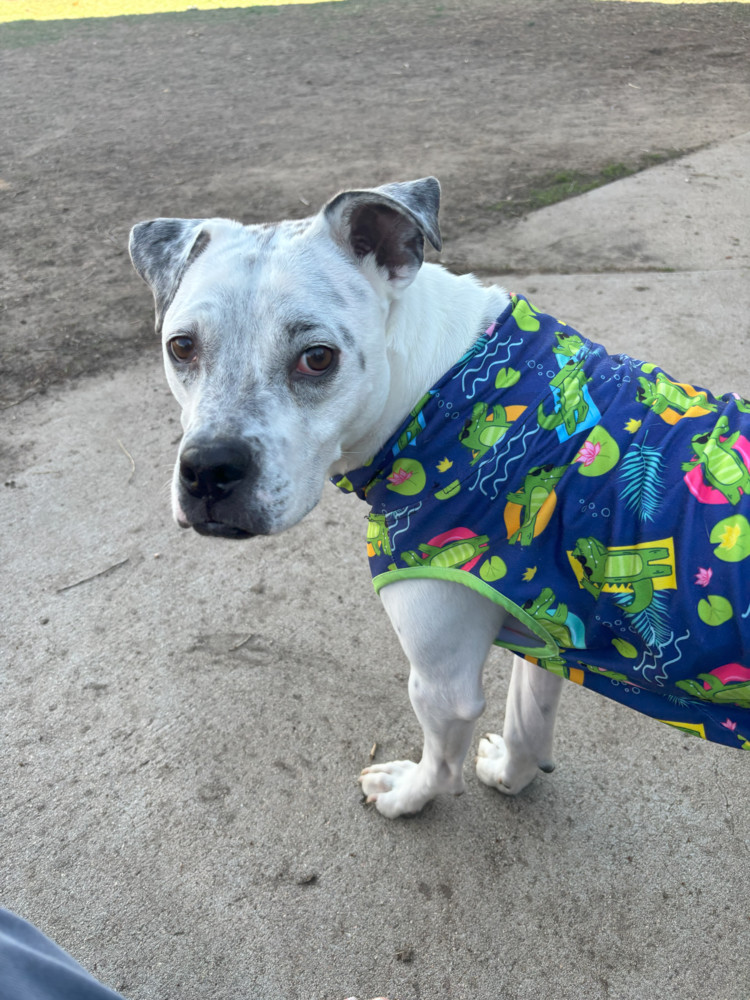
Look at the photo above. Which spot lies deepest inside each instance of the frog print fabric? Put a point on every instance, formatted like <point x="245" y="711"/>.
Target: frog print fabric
<point x="603" y="504"/>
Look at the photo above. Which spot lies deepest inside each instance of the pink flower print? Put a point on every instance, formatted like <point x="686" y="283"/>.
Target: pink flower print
<point x="729" y="725"/>
<point x="703" y="576"/>
<point x="588" y="452"/>
<point x="400" y="476"/>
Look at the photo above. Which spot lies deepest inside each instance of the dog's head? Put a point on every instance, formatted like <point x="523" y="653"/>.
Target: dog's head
<point x="274" y="343"/>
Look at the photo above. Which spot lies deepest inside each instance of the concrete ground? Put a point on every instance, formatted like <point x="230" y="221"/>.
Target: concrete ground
<point x="184" y="718"/>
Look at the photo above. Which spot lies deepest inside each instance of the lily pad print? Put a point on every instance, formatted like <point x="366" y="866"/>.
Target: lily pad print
<point x="407" y="477"/>
<point x="732" y="538"/>
<point x="450" y="491"/>
<point x="715" y="610"/>
<point x="524" y="317"/>
<point x="506" y="377"/>
<point x="599" y="454"/>
<point x="493" y="569"/>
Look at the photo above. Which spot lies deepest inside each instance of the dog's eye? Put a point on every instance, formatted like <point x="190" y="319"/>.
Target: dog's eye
<point x="316" y="360"/>
<point x="181" y="347"/>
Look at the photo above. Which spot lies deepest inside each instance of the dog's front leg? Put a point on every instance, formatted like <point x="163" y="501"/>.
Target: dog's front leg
<point x="446" y="630"/>
<point x="509" y="762"/>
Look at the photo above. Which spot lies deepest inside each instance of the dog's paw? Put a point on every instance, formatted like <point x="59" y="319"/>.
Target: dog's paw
<point x="396" y="789"/>
<point x="498" y="769"/>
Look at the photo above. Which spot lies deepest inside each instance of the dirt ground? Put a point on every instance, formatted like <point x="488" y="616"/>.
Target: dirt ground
<point x="264" y="113"/>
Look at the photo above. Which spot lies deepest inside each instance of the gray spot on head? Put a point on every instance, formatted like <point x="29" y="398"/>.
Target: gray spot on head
<point x="332" y="294"/>
<point x="299" y="329"/>
<point x="356" y="291"/>
<point x="266" y="235"/>
<point x="201" y="242"/>
<point x="422" y="199"/>
<point x="298" y="225"/>
<point x="362" y="360"/>
<point x="161" y="251"/>
<point x="346" y="337"/>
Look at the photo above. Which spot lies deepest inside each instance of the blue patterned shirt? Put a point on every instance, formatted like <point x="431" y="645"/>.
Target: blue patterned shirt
<point x="602" y="504"/>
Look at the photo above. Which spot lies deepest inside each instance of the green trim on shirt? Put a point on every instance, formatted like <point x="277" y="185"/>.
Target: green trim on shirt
<point x="506" y="637"/>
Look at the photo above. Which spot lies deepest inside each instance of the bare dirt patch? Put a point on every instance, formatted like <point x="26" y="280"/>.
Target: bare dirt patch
<point x="263" y="113"/>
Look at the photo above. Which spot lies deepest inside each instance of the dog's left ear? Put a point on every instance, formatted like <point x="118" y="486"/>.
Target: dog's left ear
<point x="161" y="251"/>
<point x="391" y="222"/>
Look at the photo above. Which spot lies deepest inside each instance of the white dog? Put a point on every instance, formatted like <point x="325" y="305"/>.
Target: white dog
<point x="300" y="350"/>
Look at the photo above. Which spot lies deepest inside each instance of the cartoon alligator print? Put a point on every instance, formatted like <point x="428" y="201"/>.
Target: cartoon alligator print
<point x="568" y="345"/>
<point x="537" y="487"/>
<point x="378" y="543"/>
<point x="663" y="395"/>
<point x="613" y="675"/>
<point x="722" y="466"/>
<point x="557" y="621"/>
<point x="555" y="665"/>
<point x="622" y="569"/>
<point x="449" y="556"/>
<point x="727" y="685"/>
<point x="571" y="407"/>
<point x="483" y="430"/>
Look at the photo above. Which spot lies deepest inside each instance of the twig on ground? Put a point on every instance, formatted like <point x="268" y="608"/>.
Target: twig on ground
<point x="242" y="643"/>
<point x="93" y="576"/>
<point x="132" y="460"/>
<point x="15" y="402"/>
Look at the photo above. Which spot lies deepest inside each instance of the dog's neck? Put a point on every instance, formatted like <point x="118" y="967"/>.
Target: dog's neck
<point x="429" y="327"/>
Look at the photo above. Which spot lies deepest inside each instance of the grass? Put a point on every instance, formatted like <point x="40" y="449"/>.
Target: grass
<point x="561" y="184"/>
<point x="26" y="34"/>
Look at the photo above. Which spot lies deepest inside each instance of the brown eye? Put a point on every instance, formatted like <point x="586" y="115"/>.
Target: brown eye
<point x="181" y="348"/>
<point x="316" y="360"/>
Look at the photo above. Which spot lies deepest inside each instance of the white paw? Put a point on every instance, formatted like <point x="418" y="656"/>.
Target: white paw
<point x="398" y="788"/>
<point x="498" y="769"/>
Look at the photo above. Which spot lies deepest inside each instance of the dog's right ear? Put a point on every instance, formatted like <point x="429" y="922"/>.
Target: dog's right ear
<point x="161" y="252"/>
<point x="389" y="223"/>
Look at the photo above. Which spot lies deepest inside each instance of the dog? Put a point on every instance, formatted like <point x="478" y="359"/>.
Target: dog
<point x="581" y="509"/>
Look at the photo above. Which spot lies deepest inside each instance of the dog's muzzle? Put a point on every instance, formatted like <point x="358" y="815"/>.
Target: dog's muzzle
<point x="210" y="472"/>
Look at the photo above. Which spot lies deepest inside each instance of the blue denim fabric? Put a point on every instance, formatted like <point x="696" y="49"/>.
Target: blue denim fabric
<point x="34" y="968"/>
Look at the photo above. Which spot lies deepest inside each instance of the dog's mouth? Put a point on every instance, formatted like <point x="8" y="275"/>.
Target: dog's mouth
<point x="217" y="529"/>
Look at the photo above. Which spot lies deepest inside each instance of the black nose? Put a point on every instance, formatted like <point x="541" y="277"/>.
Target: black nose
<point x="212" y="469"/>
